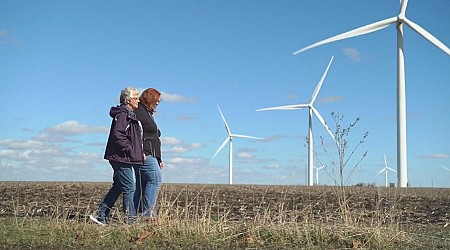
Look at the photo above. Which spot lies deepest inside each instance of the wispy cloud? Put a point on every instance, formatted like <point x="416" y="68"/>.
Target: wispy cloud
<point x="3" y="37"/>
<point x="353" y="53"/>
<point x="186" y="118"/>
<point x="436" y="156"/>
<point x="331" y="99"/>
<point x="175" y="98"/>
<point x="7" y="39"/>
<point x="279" y="137"/>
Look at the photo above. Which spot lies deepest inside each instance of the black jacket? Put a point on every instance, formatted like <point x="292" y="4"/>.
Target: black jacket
<point x="125" y="137"/>
<point x="152" y="143"/>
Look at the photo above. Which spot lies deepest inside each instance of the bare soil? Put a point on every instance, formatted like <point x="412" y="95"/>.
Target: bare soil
<point x="405" y="206"/>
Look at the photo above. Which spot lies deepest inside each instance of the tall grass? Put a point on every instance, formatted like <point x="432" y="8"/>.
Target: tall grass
<point x="197" y="217"/>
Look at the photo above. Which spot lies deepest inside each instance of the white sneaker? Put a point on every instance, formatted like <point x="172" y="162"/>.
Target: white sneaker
<point x="94" y="219"/>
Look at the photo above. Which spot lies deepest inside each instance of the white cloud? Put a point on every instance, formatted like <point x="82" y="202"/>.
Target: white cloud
<point x="185" y="161"/>
<point x="175" y="98"/>
<point x="353" y="53"/>
<point x="197" y="145"/>
<point x="63" y="163"/>
<point x="170" y="141"/>
<point x="177" y="149"/>
<point x="61" y="132"/>
<point x="24" y="144"/>
<point x="176" y="146"/>
<point x="34" y="159"/>
<point x="70" y="128"/>
<point x="274" y="166"/>
<point x="245" y="155"/>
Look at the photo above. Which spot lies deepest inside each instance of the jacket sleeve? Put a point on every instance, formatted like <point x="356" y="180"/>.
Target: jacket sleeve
<point x="119" y="132"/>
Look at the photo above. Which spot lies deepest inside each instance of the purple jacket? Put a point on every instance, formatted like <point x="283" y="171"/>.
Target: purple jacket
<point x="125" y="137"/>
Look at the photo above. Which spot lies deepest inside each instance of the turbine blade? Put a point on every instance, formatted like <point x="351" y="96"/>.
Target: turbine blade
<point x="385" y="162"/>
<point x="425" y="34"/>
<point x="220" y="148"/>
<point x="316" y="91"/>
<point x="224" y="121"/>
<point x="356" y="32"/>
<point x="382" y="170"/>
<point x="287" y="107"/>
<point x="246" y="136"/>
<point x="403" y="4"/>
<point x="446" y="168"/>
<point x="325" y="125"/>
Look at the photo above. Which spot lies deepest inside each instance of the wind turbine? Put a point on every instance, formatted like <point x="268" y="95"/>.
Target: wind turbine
<point x="317" y="174"/>
<point x="446" y="168"/>
<point x="401" y="95"/>
<point x="229" y="139"/>
<point x="311" y="111"/>
<point x="386" y="169"/>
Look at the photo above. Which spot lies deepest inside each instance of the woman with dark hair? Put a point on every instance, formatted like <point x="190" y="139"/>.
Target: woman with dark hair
<point x="149" y="176"/>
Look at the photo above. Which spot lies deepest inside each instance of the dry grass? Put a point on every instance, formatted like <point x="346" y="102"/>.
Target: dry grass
<point x="55" y="215"/>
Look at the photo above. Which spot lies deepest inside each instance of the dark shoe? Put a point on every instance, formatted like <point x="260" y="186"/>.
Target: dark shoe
<point x="94" y="218"/>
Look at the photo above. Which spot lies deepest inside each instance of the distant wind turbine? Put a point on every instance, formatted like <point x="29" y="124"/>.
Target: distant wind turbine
<point x="446" y="168"/>
<point x="311" y="111"/>
<point x="385" y="170"/>
<point x="401" y="95"/>
<point x="317" y="174"/>
<point x="230" y="140"/>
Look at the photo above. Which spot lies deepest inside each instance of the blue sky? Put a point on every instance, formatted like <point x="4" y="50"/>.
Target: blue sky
<point x="63" y="64"/>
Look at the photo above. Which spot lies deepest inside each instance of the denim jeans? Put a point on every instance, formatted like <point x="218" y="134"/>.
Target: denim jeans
<point x="123" y="183"/>
<point x="148" y="183"/>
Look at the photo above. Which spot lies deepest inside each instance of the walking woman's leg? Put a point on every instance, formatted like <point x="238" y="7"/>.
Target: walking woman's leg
<point x="125" y="175"/>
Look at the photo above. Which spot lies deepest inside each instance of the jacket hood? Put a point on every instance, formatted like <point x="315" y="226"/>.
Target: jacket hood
<point x="120" y="109"/>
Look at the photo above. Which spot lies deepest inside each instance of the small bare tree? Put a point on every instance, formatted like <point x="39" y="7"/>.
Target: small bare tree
<point x="341" y="135"/>
<point x="344" y="155"/>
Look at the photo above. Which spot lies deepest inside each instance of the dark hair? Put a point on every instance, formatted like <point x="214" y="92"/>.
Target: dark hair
<point x="150" y="98"/>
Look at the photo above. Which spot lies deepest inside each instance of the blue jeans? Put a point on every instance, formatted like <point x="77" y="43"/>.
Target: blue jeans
<point x="123" y="183"/>
<point x="148" y="183"/>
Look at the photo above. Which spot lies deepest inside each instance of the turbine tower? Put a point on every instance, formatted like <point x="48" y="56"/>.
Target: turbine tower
<point x="401" y="95"/>
<point x="311" y="111"/>
<point x="229" y="140"/>
<point x="317" y="174"/>
<point x="386" y="169"/>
